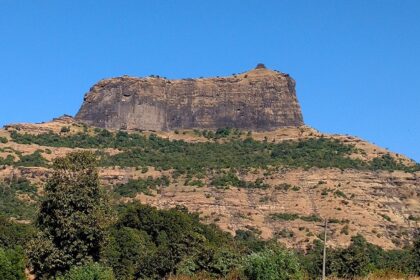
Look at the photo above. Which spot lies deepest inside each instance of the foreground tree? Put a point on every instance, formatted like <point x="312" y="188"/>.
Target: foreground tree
<point x="12" y="264"/>
<point x="273" y="264"/>
<point x="89" y="271"/>
<point x="72" y="218"/>
<point x="416" y="253"/>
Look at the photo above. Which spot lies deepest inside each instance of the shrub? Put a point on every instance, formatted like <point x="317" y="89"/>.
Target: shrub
<point x="284" y="233"/>
<point x="65" y="129"/>
<point x="230" y="179"/>
<point x="196" y="183"/>
<point x="139" y="150"/>
<point x="9" y="160"/>
<point x="386" y="217"/>
<point x="11" y="205"/>
<point x="284" y="216"/>
<point x="132" y="187"/>
<point x="90" y="271"/>
<point x="293" y="216"/>
<point x="34" y="159"/>
<point x="154" y="243"/>
<point x="345" y="230"/>
<point x="340" y="194"/>
<point x="273" y="264"/>
<point x="311" y="218"/>
<point x="283" y="187"/>
<point x="352" y="261"/>
<point x="12" y="264"/>
<point x="127" y="250"/>
<point x="13" y="234"/>
<point x="415" y="253"/>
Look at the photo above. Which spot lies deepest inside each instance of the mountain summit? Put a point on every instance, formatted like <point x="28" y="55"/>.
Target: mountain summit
<point x="260" y="99"/>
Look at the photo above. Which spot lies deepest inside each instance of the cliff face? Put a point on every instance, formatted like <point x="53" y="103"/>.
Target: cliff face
<point x="259" y="99"/>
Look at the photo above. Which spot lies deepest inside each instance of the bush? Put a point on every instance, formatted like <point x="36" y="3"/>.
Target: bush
<point x="230" y="179"/>
<point x="294" y="216"/>
<point x="11" y="205"/>
<point x="13" y="234"/>
<point x="139" y="150"/>
<point x="212" y="261"/>
<point x="9" y="160"/>
<point x="12" y="264"/>
<point x="352" y="261"/>
<point x="34" y="159"/>
<point x="284" y="216"/>
<point x="358" y="260"/>
<point x="273" y="264"/>
<point x="151" y="244"/>
<point x="132" y="187"/>
<point x="65" y="129"/>
<point x="90" y="271"/>
<point x="415" y="253"/>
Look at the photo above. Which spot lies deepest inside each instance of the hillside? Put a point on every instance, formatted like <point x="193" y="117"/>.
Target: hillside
<point x="278" y="183"/>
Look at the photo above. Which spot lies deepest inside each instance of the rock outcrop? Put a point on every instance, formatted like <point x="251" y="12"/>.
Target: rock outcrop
<point x="259" y="99"/>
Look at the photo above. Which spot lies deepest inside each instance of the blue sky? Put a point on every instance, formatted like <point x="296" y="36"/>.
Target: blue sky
<point x="356" y="63"/>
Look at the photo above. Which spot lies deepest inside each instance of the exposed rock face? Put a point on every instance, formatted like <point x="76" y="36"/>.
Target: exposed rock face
<point x="259" y="99"/>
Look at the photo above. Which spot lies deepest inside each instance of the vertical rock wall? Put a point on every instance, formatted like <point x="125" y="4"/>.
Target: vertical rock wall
<point x="259" y="99"/>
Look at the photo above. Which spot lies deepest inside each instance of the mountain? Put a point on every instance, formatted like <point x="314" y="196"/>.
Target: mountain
<point x="169" y="143"/>
<point x="259" y="99"/>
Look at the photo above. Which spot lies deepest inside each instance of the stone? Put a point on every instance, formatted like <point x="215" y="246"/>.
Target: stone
<point x="260" y="99"/>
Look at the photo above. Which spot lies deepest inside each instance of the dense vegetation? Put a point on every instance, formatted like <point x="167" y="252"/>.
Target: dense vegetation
<point x="133" y="187"/>
<point x="230" y="179"/>
<point x="18" y="199"/>
<point x="153" y="244"/>
<point x="235" y="152"/>
<point x="294" y="216"/>
<point x="78" y="236"/>
<point x="13" y="237"/>
<point x="89" y="271"/>
<point x="12" y="264"/>
<point x="361" y="258"/>
<point x="146" y="243"/>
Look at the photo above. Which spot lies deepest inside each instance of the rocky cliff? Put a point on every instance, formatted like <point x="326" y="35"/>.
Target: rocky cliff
<point x="259" y="99"/>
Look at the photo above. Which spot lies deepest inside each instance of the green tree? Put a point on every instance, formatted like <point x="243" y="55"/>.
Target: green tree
<point x="416" y="253"/>
<point x="148" y="243"/>
<point x="90" y="271"/>
<point x="354" y="260"/>
<point x="12" y="264"/>
<point x="127" y="250"/>
<point x="273" y="264"/>
<point x="72" y="218"/>
<point x="12" y="234"/>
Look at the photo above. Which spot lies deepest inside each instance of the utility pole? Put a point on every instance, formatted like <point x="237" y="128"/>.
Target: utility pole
<point x="325" y="249"/>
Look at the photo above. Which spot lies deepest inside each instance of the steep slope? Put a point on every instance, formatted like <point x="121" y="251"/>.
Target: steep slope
<point x="259" y="99"/>
<point x="280" y="183"/>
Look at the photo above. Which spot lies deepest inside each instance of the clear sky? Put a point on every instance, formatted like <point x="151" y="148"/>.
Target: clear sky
<point x="356" y="63"/>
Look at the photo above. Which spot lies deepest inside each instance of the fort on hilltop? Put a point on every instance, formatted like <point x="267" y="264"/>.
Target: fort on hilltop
<point x="260" y="99"/>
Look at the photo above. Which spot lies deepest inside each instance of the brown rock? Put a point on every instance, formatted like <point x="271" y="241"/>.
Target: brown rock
<point x="259" y="99"/>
